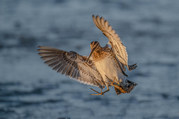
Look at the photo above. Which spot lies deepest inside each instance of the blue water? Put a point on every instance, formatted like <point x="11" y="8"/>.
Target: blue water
<point x="31" y="90"/>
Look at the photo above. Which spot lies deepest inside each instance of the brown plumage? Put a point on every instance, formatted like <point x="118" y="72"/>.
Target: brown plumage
<point x="72" y="65"/>
<point x="104" y="67"/>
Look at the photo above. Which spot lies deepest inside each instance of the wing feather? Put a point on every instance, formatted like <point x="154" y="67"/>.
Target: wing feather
<point x="72" y="65"/>
<point x="118" y="48"/>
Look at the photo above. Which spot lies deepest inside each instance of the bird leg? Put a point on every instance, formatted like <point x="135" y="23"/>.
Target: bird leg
<point x="132" y="67"/>
<point x="118" y="86"/>
<point x="100" y="93"/>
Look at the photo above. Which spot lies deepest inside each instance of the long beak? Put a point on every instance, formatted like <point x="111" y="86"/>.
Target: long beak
<point x="91" y="53"/>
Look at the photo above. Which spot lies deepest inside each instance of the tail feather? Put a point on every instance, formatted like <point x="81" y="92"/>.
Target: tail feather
<point x="125" y="88"/>
<point x="117" y="91"/>
<point x="129" y="86"/>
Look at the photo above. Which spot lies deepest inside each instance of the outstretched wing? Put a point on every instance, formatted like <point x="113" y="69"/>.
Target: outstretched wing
<point x="72" y="65"/>
<point x="118" y="48"/>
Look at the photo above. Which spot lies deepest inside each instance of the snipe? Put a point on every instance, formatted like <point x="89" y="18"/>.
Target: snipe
<point x="104" y="67"/>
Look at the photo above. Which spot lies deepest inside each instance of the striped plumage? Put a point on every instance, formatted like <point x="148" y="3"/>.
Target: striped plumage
<point x="104" y="67"/>
<point x="72" y="65"/>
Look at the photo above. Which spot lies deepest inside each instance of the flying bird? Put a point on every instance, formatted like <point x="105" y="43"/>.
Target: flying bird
<point x="104" y="67"/>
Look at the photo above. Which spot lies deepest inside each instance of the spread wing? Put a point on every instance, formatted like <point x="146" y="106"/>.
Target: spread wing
<point x="72" y="65"/>
<point x="118" y="48"/>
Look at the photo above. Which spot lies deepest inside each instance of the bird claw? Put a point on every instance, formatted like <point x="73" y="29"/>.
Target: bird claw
<point x="98" y="93"/>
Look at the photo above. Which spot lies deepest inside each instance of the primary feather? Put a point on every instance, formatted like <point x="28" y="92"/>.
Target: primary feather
<point x="118" y="48"/>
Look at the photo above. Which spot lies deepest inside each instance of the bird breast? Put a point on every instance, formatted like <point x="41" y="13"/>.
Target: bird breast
<point x="108" y="66"/>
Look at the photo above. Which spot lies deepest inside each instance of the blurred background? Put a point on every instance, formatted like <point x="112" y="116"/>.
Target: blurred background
<point x="29" y="89"/>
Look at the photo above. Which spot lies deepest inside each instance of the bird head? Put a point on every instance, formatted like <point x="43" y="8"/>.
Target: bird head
<point x="93" y="45"/>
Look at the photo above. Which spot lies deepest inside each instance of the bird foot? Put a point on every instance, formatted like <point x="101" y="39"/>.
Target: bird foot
<point x="99" y="93"/>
